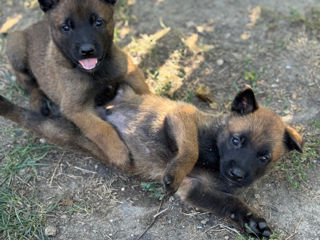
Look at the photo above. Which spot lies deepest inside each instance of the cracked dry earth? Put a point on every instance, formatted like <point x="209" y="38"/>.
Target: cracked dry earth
<point x="181" y="45"/>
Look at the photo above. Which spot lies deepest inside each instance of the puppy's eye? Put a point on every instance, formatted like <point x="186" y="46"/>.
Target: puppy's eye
<point x="67" y="25"/>
<point x="98" y="22"/>
<point x="65" y="28"/>
<point x="265" y="158"/>
<point x="236" y="141"/>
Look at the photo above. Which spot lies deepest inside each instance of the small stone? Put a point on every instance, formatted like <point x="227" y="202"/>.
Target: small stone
<point x="64" y="216"/>
<point x="204" y="221"/>
<point x="123" y="189"/>
<point x="50" y="231"/>
<point x="190" y="24"/>
<point x="226" y="237"/>
<point x="220" y="62"/>
<point x="288" y="67"/>
<point x="199" y="227"/>
<point x="42" y="141"/>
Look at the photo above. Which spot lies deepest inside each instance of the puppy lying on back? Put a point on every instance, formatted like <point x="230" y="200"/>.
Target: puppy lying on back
<point x="203" y="158"/>
<point x="70" y="58"/>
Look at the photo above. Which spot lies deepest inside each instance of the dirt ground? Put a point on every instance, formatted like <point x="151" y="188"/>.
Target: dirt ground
<point x="180" y="45"/>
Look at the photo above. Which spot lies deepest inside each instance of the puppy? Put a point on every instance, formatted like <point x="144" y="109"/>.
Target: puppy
<point x="205" y="158"/>
<point x="70" y="58"/>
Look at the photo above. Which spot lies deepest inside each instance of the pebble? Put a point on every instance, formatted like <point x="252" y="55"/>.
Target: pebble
<point x="220" y="62"/>
<point x="42" y="140"/>
<point x="226" y="237"/>
<point x="122" y="189"/>
<point x="190" y="24"/>
<point x="50" y="231"/>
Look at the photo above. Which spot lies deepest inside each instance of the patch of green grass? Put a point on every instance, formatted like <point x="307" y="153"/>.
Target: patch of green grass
<point x="296" y="164"/>
<point x="122" y="15"/>
<point x="183" y="96"/>
<point x="164" y="89"/>
<point x="22" y="158"/>
<point x="251" y="74"/>
<point x="155" y="189"/>
<point x="22" y="216"/>
<point x="285" y="106"/>
<point x="313" y="19"/>
<point x="295" y="16"/>
<point x="316" y="124"/>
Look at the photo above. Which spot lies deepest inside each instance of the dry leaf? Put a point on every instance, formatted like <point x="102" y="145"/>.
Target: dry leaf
<point x="66" y="202"/>
<point x="204" y="93"/>
<point x="9" y="23"/>
<point x="246" y="35"/>
<point x="254" y="16"/>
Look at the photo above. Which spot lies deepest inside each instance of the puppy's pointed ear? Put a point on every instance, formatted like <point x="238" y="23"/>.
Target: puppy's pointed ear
<point x="293" y="139"/>
<point x="112" y="2"/>
<point x="46" y="5"/>
<point x="245" y="102"/>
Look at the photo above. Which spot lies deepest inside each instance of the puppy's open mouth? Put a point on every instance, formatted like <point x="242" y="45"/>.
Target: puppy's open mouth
<point x="89" y="63"/>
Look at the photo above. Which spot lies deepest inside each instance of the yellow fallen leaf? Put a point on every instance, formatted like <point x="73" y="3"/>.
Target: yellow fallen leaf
<point x="245" y="35"/>
<point x="191" y="42"/>
<point x="204" y="93"/>
<point x="10" y="22"/>
<point x="254" y="16"/>
<point x="131" y="2"/>
<point x="294" y="95"/>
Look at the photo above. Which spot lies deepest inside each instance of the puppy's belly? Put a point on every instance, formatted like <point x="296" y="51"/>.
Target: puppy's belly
<point x="145" y="141"/>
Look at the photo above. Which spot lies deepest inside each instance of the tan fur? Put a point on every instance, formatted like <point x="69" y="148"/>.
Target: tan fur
<point x="33" y="51"/>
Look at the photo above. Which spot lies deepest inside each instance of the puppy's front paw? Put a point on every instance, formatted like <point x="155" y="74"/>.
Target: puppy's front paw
<point x="169" y="184"/>
<point x="256" y="226"/>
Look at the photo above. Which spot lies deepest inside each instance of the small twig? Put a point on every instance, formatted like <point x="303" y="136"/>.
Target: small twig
<point x="56" y="168"/>
<point x="158" y="214"/>
<point x="84" y="170"/>
<point x="155" y="217"/>
<point x="295" y="231"/>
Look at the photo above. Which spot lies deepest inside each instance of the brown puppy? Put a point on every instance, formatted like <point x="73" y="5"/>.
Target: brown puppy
<point x="205" y="158"/>
<point x="70" y="58"/>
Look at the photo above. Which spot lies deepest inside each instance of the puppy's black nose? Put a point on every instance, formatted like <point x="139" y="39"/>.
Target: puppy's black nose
<point x="87" y="49"/>
<point x="236" y="173"/>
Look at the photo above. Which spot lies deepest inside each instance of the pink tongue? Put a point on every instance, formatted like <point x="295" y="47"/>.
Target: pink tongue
<point x="89" y="63"/>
